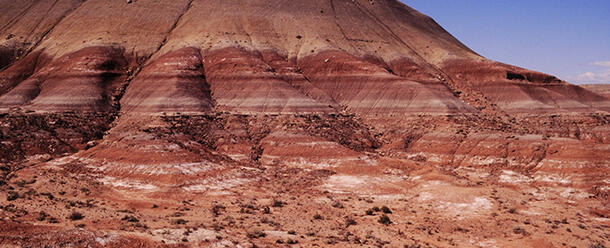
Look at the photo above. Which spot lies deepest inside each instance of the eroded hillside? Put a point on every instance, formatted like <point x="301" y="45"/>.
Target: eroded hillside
<point x="272" y="123"/>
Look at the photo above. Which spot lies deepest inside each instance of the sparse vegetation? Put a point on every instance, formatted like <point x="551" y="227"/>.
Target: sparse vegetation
<point x="12" y="195"/>
<point x="350" y="222"/>
<point x="519" y="230"/>
<point x="49" y="195"/>
<point x="386" y="210"/>
<point x="384" y="219"/>
<point x="180" y="221"/>
<point x="42" y="216"/>
<point x="256" y="233"/>
<point x="76" y="216"/>
<point x="130" y="218"/>
<point x="597" y="245"/>
<point x="278" y="204"/>
<point x="290" y="199"/>
<point x="217" y="209"/>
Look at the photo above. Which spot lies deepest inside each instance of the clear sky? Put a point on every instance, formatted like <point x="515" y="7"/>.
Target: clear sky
<point x="567" y="38"/>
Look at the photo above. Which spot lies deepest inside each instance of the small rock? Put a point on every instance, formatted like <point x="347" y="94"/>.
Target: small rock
<point x="91" y="144"/>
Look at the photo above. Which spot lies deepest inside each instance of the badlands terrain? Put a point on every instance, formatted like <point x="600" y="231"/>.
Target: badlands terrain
<point x="278" y="123"/>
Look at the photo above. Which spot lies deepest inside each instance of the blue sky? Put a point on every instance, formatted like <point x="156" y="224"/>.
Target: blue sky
<point x="567" y="38"/>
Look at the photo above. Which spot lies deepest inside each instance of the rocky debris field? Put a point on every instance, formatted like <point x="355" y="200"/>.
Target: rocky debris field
<point x="334" y="181"/>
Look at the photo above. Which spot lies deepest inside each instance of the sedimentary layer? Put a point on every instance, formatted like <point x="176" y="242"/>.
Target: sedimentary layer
<point x="269" y="122"/>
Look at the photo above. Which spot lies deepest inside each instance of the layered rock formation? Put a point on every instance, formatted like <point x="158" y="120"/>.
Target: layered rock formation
<point x="601" y="89"/>
<point x="327" y="106"/>
<point x="344" y="49"/>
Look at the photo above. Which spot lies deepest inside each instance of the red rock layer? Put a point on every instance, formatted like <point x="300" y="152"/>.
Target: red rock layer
<point x="172" y="83"/>
<point x="487" y="84"/>
<point x="407" y="68"/>
<point x="242" y="82"/>
<point x="379" y="38"/>
<point x="6" y="56"/>
<point x="289" y="72"/>
<point x="367" y="88"/>
<point x="84" y="80"/>
<point x="300" y="150"/>
<point x="600" y="89"/>
<point x="19" y="71"/>
<point x="144" y="150"/>
<point x="24" y="24"/>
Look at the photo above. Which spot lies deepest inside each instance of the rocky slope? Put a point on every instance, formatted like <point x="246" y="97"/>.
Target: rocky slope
<point x="272" y="123"/>
<point x="601" y="89"/>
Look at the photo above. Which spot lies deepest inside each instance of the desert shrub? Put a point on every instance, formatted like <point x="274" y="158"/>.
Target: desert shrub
<point x="386" y="210"/>
<point x="597" y="245"/>
<point x="337" y="205"/>
<point x="20" y="183"/>
<point x="519" y="230"/>
<point x="42" y="216"/>
<point x="76" y="216"/>
<point x="278" y="203"/>
<point x="49" y="195"/>
<point x="384" y="219"/>
<point x="350" y="222"/>
<point x="217" y="209"/>
<point x="256" y="233"/>
<point x="180" y="221"/>
<point x="12" y="195"/>
<point x="130" y="218"/>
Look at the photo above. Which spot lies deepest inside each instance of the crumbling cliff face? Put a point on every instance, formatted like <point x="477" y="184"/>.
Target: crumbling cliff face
<point x="225" y="123"/>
